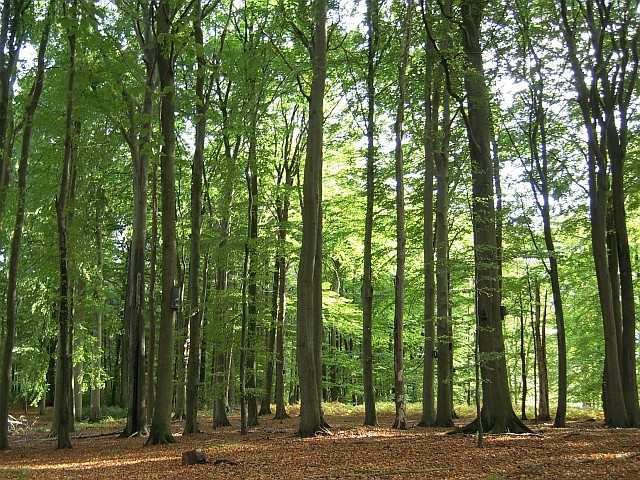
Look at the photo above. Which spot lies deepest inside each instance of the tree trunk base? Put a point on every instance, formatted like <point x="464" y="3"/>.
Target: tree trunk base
<point x="264" y="410"/>
<point x="160" y="439"/>
<point x="281" y="416"/>
<point x="224" y="422"/>
<point x="399" y="425"/>
<point x="512" y="424"/>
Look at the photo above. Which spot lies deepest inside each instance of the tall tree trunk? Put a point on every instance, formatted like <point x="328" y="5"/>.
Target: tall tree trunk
<point x="497" y="413"/>
<point x="400" y="420"/>
<point x="251" y="176"/>
<point x="63" y="379"/>
<point x="444" y="409"/>
<point x="195" y="321"/>
<point x="598" y="104"/>
<point x="16" y="239"/>
<point x="431" y="108"/>
<point x="541" y="357"/>
<point x="139" y="141"/>
<point x="270" y="343"/>
<point x="152" y="294"/>
<point x="161" y="424"/>
<point x="287" y="170"/>
<point x="373" y="40"/>
<point x="309" y="314"/>
<point x="95" y="412"/>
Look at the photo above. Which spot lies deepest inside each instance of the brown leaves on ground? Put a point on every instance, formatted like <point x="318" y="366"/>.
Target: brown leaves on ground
<point x="272" y="451"/>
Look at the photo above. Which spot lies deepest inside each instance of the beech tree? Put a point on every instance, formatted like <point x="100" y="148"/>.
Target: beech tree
<point x="309" y="316"/>
<point x="605" y="82"/>
<point x="497" y="413"/>
<point x="160" y="432"/>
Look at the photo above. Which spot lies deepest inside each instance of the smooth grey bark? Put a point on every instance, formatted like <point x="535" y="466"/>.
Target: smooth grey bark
<point x="429" y="139"/>
<point x="444" y="415"/>
<point x="251" y="177"/>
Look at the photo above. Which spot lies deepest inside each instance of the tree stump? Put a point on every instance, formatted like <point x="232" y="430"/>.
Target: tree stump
<point x="192" y="457"/>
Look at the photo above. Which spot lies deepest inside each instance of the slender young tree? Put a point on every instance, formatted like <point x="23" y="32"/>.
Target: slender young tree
<point x="443" y="309"/>
<point x="151" y="350"/>
<point x="540" y="181"/>
<point x="430" y="130"/>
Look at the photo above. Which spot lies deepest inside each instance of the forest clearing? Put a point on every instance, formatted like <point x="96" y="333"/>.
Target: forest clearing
<point x="585" y="449"/>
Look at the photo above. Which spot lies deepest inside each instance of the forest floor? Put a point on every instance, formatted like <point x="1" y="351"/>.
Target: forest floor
<point x="272" y="451"/>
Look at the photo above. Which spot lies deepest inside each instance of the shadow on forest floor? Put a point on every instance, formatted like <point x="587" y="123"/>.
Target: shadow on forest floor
<point x="271" y="450"/>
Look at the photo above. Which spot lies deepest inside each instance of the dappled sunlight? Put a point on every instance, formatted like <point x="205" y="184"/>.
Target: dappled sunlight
<point x="91" y="465"/>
